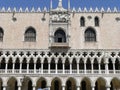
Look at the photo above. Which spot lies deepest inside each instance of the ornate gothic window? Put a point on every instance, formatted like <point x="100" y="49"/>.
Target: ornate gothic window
<point x="96" y="21"/>
<point x="1" y="34"/>
<point x="30" y="35"/>
<point x="60" y="36"/>
<point x="90" y="35"/>
<point x="82" y="21"/>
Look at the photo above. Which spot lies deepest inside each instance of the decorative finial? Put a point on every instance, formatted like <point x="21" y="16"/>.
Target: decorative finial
<point x="68" y="5"/>
<point x="60" y="3"/>
<point x="50" y="4"/>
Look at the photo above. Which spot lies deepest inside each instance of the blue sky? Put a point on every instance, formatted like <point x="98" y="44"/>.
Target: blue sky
<point x="74" y="3"/>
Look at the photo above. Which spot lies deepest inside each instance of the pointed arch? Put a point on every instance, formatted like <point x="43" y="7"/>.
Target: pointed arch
<point x="41" y="83"/>
<point x="60" y="36"/>
<point x="24" y="63"/>
<point x="70" y="84"/>
<point x="17" y="63"/>
<point x="27" y="84"/>
<point x="45" y="64"/>
<point x="100" y="84"/>
<point x="82" y="21"/>
<point x="81" y="64"/>
<point x="12" y="84"/>
<point x="88" y="64"/>
<point x="110" y="64"/>
<point x="74" y="64"/>
<point x="10" y="63"/>
<point x="67" y="64"/>
<point x="115" y="84"/>
<point x="90" y="35"/>
<point x="56" y="84"/>
<point x="52" y="64"/>
<point x="38" y="63"/>
<point x="85" y="84"/>
<point x="60" y="63"/>
<point x="31" y="63"/>
<point x="117" y="64"/>
<point x="96" y="20"/>
<point x="30" y="35"/>
<point x="102" y="64"/>
<point x="95" y="64"/>
<point x="1" y="34"/>
<point x="3" y="63"/>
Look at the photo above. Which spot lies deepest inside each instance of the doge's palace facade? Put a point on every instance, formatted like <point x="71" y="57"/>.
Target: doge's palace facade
<point x="59" y="49"/>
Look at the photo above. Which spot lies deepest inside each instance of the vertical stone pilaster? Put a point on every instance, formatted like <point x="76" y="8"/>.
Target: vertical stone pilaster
<point x="70" y="68"/>
<point x="42" y="68"/>
<point x="63" y="87"/>
<point x="78" y="68"/>
<point x="56" y="68"/>
<point x="63" y="68"/>
<point x="49" y="68"/>
<point x="34" y="67"/>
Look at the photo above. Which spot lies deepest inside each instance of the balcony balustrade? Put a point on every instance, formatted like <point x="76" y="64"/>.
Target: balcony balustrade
<point x="37" y="71"/>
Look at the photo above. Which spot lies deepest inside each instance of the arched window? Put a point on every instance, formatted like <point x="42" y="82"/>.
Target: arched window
<point x="96" y="21"/>
<point x="30" y="35"/>
<point x="1" y="34"/>
<point x="90" y="35"/>
<point x="82" y="21"/>
<point x="60" y="36"/>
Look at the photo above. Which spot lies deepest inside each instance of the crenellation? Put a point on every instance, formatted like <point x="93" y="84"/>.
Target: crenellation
<point x="20" y="9"/>
<point x="85" y="9"/>
<point x="73" y="10"/>
<point x="115" y="9"/>
<point x="3" y="9"/>
<point x="32" y="10"/>
<point x="79" y="9"/>
<point x="9" y="9"/>
<point x="91" y="9"/>
<point x="109" y="9"/>
<point x="59" y="49"/>
<point x="102" y="10"/>
<point x="96" y="9"/>
<point x="38" y="10"/>
<point x="27" y="9"/>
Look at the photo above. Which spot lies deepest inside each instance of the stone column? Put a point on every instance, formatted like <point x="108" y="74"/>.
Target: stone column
<point x="70" y="68"/>
<point x="92" y="67"/>
<point x="19" y="87"/>
<point x="6" y="66"/>
<point x="63" y="68"/>
<point x="27" y="67"/>
<point x="78" y="87"/>
<point x="85" y="68"/>
<point x="41" y="68"/>
<point x="56" y="68"/>
<point x="20" y="67"/>
<point x="99" y="68"/>
<point x="106" y="67"/>
<point x="114" y="67"/>
<point x="78" y="68"/>
<point x="34" y="67"/>
<point x="93" y="87"/>
<point x="4" y="87"/>
<point x="13" y="68"/>
<point x="63" y="87"/>
<point x="107" y="87"/>
<point x="49" y="68"/>
<point x="34" y="87"/>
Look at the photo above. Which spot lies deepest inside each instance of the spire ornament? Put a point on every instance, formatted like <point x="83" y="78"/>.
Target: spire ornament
<point x="60" y="4"/>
